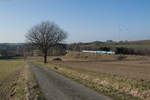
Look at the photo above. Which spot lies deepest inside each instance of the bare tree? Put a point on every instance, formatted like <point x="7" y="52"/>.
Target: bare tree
<point x="45" y="35"/>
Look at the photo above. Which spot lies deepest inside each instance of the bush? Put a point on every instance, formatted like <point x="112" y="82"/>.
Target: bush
<point x="57" y="59"/>
<point x="121" y="57"/>
<point x="132" y="51"/>
<point x="122" y="50"/>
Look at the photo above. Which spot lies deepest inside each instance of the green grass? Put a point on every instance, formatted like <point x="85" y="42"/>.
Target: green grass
<point x="138" y="46"/>
<point x="135" y="46"/>
<point x="9" y="66"/>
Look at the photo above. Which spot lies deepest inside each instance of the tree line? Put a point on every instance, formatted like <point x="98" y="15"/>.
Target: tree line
<point x="11" y="49"/>
<point x="118" y="50"/>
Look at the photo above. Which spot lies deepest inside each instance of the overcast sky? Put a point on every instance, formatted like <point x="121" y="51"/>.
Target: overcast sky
<point x="84" y="20"/>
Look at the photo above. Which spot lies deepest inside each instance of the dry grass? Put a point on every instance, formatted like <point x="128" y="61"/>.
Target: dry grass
<point x="128" y="79"/>
<point x="117" y="87"/>
<point x="20" y="85"/>
<point x="136" y="70"/>
<point x="135" y="67"/>
<point x="7" y="67"/>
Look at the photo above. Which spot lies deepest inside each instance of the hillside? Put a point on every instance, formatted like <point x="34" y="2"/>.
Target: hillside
<point x="139" y="42"/>
<point x="98" y="44"/>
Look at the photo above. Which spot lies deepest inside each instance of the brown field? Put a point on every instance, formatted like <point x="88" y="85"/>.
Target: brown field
<point x="137" y="67"/>
<point x="138" y="70"/>
<point x="126" y="79"/>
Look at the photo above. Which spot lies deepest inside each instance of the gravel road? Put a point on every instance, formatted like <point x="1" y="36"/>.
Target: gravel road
<point x="57" y="87"/>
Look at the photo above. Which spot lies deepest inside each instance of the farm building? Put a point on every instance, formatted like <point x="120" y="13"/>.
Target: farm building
<point x="98" y="52"/>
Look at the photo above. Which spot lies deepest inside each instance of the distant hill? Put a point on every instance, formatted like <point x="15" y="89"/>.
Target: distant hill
<point x="116" y="43"/>
<point x="94" y="42"/>
<point x="98" y="45"/>
<point x="139" y="42"/>
<point x="12" y="43"/>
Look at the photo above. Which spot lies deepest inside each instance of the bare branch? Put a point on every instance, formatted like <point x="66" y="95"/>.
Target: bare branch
<point x="46" y="35"/>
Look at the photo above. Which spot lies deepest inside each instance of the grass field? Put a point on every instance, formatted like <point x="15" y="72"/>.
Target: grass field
<point x="135" y="67"/>
<point x="119" y="88"/>
<point x="138" y="46"/>
<point x="17" y="82"/>
<point x="134" y="45"/>
<point x="7" y="67"/>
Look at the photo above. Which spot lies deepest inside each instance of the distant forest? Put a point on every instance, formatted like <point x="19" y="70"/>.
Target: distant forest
<point x="11" y="49"/>
<point x="141" y="47"/>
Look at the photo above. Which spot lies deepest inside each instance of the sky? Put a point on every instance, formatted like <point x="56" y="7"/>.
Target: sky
<point x="84" y="20"/>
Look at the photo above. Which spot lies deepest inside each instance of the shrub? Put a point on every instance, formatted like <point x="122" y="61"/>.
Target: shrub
<point x="57" y="59"/>
<point x="121" y="57"/>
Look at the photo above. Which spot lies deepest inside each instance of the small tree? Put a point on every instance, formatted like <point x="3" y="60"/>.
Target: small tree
<point x="4" y="53"/>
<point x="45" y="35"/>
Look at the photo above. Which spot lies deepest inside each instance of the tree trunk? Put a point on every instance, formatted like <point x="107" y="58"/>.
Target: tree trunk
<point x="45" y="57"/>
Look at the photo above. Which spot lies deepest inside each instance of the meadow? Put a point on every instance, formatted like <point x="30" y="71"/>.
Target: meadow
<point x="136" y="46"/>
<point x="7" y="67"/>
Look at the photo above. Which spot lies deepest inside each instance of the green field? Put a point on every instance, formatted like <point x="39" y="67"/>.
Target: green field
<point x="7" y="67"/>
<point x="138" y="46"/>
<point x="135" y="45"/>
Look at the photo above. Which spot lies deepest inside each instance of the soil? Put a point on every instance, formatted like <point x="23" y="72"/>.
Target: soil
<point x="133" y="67"/>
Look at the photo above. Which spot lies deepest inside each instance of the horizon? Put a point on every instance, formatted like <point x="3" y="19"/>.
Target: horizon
<point x="85" y="21"/>
<point x="79" y="42"/>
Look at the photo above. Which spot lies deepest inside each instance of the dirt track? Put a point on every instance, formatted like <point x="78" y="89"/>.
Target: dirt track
<point x="20" y="85"/>
<point x="57" y="87"/>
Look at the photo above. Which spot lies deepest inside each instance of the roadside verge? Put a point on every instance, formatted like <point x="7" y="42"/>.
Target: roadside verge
<point x="21" y="85"/>
<point x="117" y="87"/>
